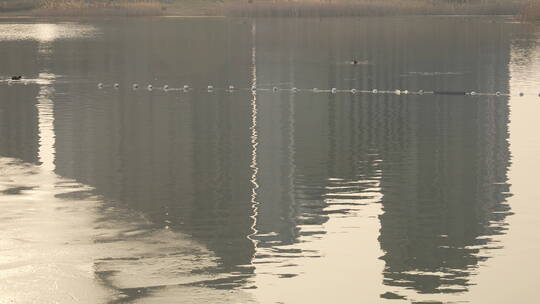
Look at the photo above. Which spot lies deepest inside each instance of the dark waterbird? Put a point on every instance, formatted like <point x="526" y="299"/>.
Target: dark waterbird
<point x="16" y="77"/>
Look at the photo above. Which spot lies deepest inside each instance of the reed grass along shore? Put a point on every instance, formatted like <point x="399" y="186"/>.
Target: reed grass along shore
<point x="528" y="9"/>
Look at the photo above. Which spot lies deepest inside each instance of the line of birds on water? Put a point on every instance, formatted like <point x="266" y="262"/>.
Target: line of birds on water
<point x="231" y="88"/>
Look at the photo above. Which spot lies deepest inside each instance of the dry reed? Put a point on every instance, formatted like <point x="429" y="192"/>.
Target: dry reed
<point x="99" y="8"/>
<point x="369" y="8"/>
<point x="274" y="8"/>
<point x="531" y="12"/>
<point x="15" y="6"/>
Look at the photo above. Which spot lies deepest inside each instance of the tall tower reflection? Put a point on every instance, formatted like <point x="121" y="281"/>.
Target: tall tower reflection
<point x="180" y="159"/>
<point x="27" y="127"/>
<point x="441" y="162"/>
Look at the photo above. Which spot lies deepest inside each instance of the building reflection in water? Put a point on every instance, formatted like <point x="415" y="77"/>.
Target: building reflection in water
<point x="185" y="162"/>
<point x="438" y="163"/>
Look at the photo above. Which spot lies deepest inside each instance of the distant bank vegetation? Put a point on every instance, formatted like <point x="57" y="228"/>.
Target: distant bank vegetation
<point x="82" y="7"/>
<point x="98" y="8"/>
<point x="532" y="11"/>
<point x="529" y="9"/>
<point x="271" y="8"/>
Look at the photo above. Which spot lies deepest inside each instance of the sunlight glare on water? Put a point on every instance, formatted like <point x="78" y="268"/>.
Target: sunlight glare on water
<point x="45" y="32"/>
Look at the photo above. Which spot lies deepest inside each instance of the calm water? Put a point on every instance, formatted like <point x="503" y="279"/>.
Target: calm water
<point x="123" y="196"/>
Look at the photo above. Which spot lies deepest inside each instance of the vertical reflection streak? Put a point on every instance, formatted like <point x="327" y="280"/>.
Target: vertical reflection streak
<point x="291" y="145"/>
<point x="46" y="129"/>
<point x="45" y="107"/>
<point x="254" y="139"/>
<point x="291" y="149"/>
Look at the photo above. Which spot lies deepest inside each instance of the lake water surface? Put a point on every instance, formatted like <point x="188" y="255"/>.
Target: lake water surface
<point x="116" y="195"/>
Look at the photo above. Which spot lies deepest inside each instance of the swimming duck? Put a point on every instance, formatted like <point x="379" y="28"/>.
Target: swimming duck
<point x="16" y="77"/>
